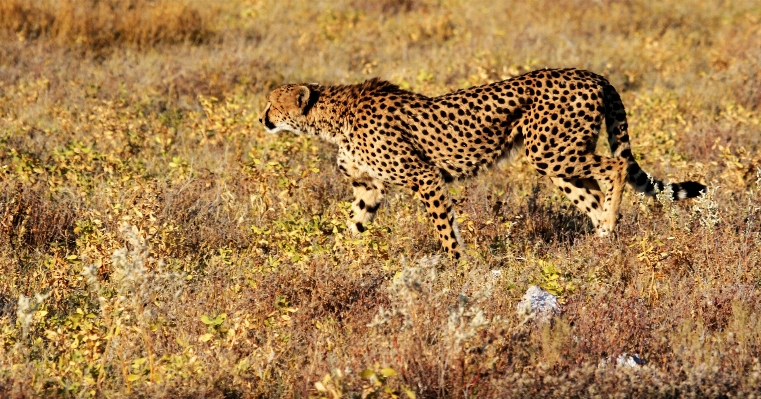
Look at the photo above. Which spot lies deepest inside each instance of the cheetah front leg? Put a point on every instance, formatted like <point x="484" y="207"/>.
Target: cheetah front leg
<point x="430" y="186"/>
<point x="368" y="194"/>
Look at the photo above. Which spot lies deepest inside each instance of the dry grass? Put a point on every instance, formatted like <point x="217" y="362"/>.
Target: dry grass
<point x="98" y="24"/>
<point x="155" y="242"/>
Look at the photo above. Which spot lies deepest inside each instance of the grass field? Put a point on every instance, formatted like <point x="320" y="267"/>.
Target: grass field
<point x="155" y="242"/>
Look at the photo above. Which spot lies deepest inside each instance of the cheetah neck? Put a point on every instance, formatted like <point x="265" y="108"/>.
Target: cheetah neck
<point x="329" y="117"/>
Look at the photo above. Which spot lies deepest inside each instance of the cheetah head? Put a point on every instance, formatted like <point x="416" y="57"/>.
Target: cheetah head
<point x="287" y="108"/>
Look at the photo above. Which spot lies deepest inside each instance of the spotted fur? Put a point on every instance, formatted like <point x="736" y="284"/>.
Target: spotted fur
<point x="387" y="135"/>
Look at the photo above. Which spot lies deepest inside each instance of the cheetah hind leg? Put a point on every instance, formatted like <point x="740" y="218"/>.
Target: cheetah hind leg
<point x="368" y="195"/>
<point x="585" y="194"/>
<point x="611" y="174"/>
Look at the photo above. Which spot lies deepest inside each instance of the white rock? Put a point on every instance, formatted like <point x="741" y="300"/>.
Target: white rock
<point x="538" y="303"/>
<point x="628" y="360"/>
<point x="625" y="360"/>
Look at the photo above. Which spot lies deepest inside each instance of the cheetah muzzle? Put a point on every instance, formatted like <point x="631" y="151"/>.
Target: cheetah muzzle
<point x="386" y="135"/>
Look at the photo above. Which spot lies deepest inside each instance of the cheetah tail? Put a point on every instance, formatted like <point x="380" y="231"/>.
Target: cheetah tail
<point x="618" y="138"/>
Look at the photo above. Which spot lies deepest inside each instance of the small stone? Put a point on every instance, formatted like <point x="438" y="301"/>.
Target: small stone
<point x="628" y="360"/>
<point x="624" y="360"/>
<point x="539" y="304"/>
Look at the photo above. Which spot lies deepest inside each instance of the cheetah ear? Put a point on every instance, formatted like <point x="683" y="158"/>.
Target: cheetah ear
<point x="302" y="96"/>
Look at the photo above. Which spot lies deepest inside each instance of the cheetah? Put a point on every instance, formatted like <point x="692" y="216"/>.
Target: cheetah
<point x="390" y="136"/>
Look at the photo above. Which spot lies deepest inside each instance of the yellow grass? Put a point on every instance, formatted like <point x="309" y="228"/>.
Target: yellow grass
<point x="155" y="242"/>
<point x="97" y="24"/>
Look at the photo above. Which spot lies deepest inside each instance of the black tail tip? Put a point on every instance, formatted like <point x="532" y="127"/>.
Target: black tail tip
<point x="690" y="189"/>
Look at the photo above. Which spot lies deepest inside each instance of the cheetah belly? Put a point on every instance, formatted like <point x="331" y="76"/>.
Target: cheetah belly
<point x="463" y="153"/>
